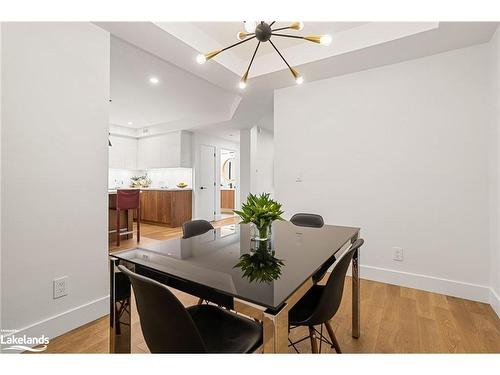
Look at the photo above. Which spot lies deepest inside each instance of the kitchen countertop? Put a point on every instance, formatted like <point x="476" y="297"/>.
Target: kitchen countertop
<point x="113" y="191"/>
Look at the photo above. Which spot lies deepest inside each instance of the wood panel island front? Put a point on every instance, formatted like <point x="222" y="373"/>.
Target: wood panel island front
<point x="165" y="207"/>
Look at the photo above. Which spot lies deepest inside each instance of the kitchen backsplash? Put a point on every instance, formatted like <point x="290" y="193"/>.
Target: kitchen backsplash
<point x="163" y="177"/>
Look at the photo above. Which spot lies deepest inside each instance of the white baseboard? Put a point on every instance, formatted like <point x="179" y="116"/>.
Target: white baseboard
<point x="66" y="321"/>
<point x="495" y="302"/>
<point x="433" y="284"/>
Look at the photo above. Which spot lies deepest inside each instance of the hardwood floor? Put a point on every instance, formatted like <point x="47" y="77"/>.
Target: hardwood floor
<point x="393" y="319"/>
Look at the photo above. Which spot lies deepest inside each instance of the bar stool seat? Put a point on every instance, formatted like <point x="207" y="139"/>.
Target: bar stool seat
<point x="127" y="199"/>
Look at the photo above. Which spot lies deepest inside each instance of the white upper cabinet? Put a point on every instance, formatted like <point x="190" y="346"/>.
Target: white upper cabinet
<point x="170" y="150"/>
<point x="123" y="152"/>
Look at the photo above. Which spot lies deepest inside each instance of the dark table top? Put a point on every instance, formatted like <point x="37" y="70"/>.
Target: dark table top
<point x="210" y="259"/>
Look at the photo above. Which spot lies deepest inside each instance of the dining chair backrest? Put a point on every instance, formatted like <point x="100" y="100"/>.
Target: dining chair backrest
<point x="307" y="220"/>
<point x="331" y="297"/>
<point x="166" y="325"/>
<point x="195" y="228"/>
<point x="127" y="199"/>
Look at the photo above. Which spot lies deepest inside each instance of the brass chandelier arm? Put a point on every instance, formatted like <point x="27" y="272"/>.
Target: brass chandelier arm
<point x="282" y="28"/>
<point x="279" y="53"/>
<point x="287" y="35"/>
<point x="272" y="23"/>
<point x="236" y="44"/>
<point x="253" y="57"/>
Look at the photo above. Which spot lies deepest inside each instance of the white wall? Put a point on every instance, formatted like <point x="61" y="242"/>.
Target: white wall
<point x="1" y="326"/>
<point x="55" y="92"/>
<point x="199" y="139"/>
<point x="495" y="175"/>
<point x="402" y="152"/>
<point x="264" y="162"/>
<point x="257" y="161"/>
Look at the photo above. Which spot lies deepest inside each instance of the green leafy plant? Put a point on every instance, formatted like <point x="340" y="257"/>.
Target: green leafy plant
<point x="260" y="210"/>
<point x="260" y="265"/>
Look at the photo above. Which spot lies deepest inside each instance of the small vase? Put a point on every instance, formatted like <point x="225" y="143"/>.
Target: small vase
<point x="260" y="233"/>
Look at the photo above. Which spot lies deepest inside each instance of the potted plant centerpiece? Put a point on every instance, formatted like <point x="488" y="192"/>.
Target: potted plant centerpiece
<point x="260" y="211"/>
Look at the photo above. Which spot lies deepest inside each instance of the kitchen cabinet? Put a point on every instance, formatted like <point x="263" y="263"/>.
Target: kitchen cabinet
<point x="169" y="150"/>
<point x="227" y="199"/>
<point x="166" y="207"/>
<point x="123" y="152"/>
<point x="149" y="205"/>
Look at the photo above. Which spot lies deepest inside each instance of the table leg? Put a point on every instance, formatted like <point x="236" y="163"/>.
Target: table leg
<point x="355" y="292"/>
<point x="119" y="325"/>
<point x="275" y="328"/>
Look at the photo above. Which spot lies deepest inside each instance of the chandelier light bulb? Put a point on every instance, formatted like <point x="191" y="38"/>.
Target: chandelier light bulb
<point x="325" y="40"/>
<point x="201" y="59"/>
<point x="299" y="80"/>
<point x="297" y="26"/>
<point x="241" y="35"/>
<point x="243" y="80"/>
<point x="250" y="26"/>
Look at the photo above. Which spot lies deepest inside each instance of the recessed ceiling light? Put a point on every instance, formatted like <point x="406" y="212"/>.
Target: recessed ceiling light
<point x="154" y="80"/>
<point x="130" y="122"/>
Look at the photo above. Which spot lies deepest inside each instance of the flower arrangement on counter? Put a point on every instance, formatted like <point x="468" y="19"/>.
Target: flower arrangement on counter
<point x="140" y="181"/>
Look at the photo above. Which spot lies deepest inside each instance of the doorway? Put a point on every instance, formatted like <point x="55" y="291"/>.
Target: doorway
<point x="206" y="185"/>
<point x="228" y="181"/>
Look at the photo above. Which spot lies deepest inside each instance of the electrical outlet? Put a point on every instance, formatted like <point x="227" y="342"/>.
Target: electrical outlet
<point x="60" y="287"/>
<point x="397" y="253"/>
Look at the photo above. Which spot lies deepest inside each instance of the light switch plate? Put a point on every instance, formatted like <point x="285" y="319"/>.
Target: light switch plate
<point x="299" y="177"/>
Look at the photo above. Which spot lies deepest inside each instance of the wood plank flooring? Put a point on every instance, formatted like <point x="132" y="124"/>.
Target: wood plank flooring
<point x="394" y="319"/>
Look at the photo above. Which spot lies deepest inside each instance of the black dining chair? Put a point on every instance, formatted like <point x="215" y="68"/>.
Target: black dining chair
<point x="195" y="228"/>
<point x="169" y="327"/>
<point x="313" y="221"/>
<point x="321" y="303"/>
<point x="307" y="220"/>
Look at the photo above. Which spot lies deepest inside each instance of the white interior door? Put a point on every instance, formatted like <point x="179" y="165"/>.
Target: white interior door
<point x="206" y="185"/>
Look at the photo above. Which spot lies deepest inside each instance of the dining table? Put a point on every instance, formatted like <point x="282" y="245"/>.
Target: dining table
<point x="229" y="267"/>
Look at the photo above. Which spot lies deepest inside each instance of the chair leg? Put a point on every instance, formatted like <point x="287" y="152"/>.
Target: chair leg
<point x="117" y="321"/>
<point x="332" y="337"/>
<point x="117" y="227"/>
<point x="200" y="301"/>
<point x="314" y="341"/>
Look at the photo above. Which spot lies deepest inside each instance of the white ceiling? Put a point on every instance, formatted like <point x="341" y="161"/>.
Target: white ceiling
<point x="177" y="98"/>
<point x="207" y="97"/>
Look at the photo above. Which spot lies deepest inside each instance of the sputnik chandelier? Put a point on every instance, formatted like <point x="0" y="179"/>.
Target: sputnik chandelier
<point x="263" y="32"/>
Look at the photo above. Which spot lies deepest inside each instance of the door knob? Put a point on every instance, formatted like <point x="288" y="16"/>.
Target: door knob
<point x="202" y="187"/>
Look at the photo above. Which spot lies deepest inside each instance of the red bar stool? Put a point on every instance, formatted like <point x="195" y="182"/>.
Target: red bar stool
<point x="128" y="199"/>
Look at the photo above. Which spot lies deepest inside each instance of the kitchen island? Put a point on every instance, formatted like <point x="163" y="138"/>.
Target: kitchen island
<point x="167" y="207"/>
<point x="159" y="206"/>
